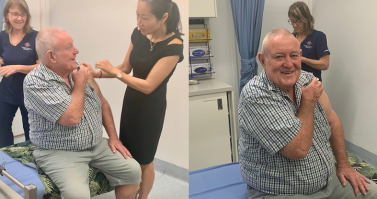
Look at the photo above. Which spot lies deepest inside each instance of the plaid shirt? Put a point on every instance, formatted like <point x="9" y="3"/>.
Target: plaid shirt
<point x="47" y="97"/>
<point x="267" y="119"/>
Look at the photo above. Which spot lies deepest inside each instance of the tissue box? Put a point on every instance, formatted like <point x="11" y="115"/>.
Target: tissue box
<point x="199" y="35"/>
<point x="203" y="69"/>
<point x="199" y="51"/>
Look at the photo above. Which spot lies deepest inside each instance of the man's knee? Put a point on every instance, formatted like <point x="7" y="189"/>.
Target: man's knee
<point x="128" y="172"/>
<point x="372" y="192"/>
<point x="75" y="192"/>
<point x="135" y="171"/>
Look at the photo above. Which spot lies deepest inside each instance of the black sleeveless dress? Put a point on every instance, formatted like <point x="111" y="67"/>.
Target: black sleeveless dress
<point x="143" y="115"/>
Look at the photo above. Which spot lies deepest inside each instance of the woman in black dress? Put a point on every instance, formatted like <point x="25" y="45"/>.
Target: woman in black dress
<point x="155" y="49"/>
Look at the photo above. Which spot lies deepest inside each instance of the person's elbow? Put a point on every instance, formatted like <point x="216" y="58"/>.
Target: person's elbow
<point x="325" y="62"/>
<point x="69" y="120"/>
<point x="295" y="153"/>
<point x="325" y="65"/>
<point x="148" y="89"/>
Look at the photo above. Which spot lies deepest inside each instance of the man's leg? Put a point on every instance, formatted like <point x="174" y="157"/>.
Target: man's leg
<point x="255" y="194"/>
<point x="348" y="192"/>
<point x="124" y="174"/>
<point x="67" y="169"/>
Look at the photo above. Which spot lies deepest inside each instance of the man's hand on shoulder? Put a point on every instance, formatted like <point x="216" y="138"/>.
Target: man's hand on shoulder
<point x="312" y="92"/>
<point x="81" y="77"/>
<point x="358" y="182"/>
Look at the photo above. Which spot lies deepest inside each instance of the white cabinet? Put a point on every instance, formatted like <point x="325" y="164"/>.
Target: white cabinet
<point x="211" y="115"/>
<point x="202" y="8"/>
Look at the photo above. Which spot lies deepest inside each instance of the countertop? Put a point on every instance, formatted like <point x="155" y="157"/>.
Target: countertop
<point x="209" y="86"/>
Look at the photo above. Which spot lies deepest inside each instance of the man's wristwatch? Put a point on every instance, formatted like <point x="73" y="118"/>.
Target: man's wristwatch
<point x="119" y="75"/>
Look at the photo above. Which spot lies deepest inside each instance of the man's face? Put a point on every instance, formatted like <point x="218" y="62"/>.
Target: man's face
<point x="282" y="61"/>
<point x="65" y="52"/>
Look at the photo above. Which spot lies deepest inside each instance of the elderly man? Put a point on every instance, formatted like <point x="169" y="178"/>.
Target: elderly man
<point x="66" y="114"/>
<point x="289" y="132"/>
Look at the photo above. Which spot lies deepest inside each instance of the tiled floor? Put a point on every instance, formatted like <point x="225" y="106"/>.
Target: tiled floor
<point x="165" y="187"/>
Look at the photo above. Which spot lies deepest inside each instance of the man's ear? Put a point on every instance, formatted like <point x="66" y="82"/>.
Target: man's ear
<point x="261" y="58"/>
<point x="50" y="56"/>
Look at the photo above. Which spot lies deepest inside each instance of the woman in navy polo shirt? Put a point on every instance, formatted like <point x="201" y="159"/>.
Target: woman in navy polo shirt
<point x="18" y="57"/>
<point x="313" y="43"/>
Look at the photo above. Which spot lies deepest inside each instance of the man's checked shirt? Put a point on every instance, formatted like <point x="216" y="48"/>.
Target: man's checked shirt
<point x="267" y="119"/>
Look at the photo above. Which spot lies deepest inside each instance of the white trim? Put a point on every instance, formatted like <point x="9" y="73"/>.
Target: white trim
<point x="310" y="5"/>
<point x="44" y="14"/>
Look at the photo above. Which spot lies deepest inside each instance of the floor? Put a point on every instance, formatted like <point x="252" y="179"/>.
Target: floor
<point x="165" y="187"/>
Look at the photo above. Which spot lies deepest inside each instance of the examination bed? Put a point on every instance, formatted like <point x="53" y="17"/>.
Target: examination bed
<point x="20" y="165"/>
<point x="225" y="181"/>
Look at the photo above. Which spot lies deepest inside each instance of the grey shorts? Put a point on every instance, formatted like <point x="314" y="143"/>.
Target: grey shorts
<point x="69" y="169"/>
<point x="334" y="190"/>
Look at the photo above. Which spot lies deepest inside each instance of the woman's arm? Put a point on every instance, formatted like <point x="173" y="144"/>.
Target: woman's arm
<point x="11" y="69"/>
<point x="321" y="64"/>
<point x="159" y="72"/>
<point x="125" y="67"/>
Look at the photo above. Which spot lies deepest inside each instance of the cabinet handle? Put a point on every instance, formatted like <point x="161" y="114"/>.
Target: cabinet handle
<point x="219" y="104"/>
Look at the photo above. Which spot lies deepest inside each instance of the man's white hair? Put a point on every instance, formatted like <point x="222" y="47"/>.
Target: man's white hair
<point x="46" y="41"/>
<point x="273" y="33"/>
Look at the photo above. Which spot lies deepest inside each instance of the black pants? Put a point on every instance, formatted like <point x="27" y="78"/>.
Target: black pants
<point x="7" y="113"/>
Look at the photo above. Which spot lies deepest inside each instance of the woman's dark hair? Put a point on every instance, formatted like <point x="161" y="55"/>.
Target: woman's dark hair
<point x="160" y="7"/>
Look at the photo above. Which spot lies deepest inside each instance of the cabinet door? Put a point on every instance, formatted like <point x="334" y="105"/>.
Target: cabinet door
<point x="209" y="131"/>
<point x="202" y="8"/>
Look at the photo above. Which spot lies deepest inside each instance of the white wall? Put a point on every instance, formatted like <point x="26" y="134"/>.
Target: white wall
<point x="350" y="81"/>
<point x="102" y="30"/>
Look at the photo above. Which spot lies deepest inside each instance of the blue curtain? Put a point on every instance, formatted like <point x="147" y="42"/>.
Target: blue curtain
<point x="2" y="4"/>
<point x="247" y="18"/>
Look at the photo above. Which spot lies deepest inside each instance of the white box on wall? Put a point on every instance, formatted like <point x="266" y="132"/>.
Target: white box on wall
<point x="202" y="8"/>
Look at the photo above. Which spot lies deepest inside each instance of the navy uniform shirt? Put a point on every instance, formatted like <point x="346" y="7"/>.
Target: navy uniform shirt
<point x="314" y="47"/>
<point x="23" y="53"/>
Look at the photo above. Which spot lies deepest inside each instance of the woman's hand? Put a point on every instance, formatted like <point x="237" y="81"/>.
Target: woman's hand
<point x="107" y="67"/>
<point x="94" y="73"/>
<point x="8" y="70"/>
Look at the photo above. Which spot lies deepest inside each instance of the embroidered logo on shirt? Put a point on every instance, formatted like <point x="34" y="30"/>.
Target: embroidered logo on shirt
<point x="309" y="45"/>
<point x="27" y="46"/>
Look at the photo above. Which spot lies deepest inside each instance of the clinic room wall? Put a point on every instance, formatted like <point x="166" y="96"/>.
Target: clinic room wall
<point x="102" y="30"/>
<point x="350" y="81"/>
